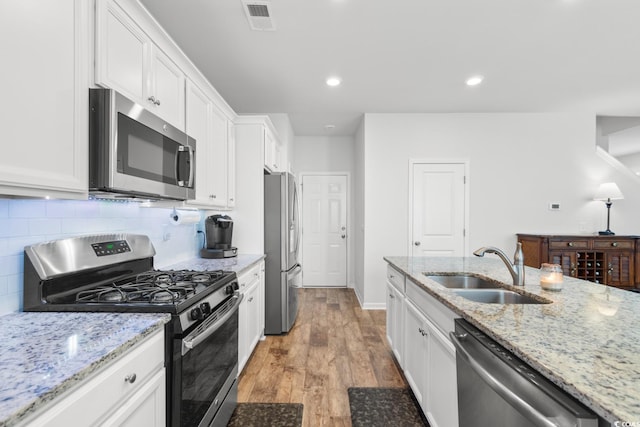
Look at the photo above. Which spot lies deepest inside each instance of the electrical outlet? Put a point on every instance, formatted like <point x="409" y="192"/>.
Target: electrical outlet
<point x="583" y="227"/>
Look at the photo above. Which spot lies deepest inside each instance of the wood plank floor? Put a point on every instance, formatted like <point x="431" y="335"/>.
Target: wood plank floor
<point x="333" y="345"/>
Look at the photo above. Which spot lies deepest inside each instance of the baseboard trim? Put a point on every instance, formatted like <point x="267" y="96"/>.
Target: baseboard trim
<point x="374" y="306"/>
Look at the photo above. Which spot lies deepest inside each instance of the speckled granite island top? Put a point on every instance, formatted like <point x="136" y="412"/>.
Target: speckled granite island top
<point x="587" y="340"/>
<point x="238" y="263"/>
<point x="43" y="355"/>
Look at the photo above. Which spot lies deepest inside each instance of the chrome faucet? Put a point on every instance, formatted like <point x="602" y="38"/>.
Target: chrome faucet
<point x="516" y="269"/>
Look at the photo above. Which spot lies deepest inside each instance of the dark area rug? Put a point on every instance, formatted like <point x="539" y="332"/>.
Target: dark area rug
<point x="267" y="415"/>
<point x="383" y="407"/>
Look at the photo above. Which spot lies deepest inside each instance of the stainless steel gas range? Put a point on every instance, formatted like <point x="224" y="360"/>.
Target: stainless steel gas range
<point x="115" y="273"/>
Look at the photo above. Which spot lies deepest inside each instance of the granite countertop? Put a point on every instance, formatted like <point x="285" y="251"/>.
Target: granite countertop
<point x="43" y="355"/>
<point x="238" y="263"/>
<point x="587" y="340"/>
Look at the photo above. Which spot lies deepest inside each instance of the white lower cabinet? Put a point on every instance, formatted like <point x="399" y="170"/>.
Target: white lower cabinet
<point x="442" y="394"/>
<point x="395" y="314"/>
<point x="129" y="392"/>
<point x="416" y="352"/>
<point x="425" y="353"/>
<point x="251" y="318"/>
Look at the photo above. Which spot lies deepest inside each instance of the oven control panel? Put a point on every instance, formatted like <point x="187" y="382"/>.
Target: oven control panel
<point x="111" y="248"/>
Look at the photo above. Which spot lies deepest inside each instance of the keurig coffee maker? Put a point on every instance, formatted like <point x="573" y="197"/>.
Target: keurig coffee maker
<point x="218" y="232"/>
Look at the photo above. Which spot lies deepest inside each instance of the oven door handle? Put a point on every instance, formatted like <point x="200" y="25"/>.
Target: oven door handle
<point x="191" y="341"/>
<point x="513" y="399"/>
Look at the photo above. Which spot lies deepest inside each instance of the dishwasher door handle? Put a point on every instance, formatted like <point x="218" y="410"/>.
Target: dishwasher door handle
<point x="509" y="396"/>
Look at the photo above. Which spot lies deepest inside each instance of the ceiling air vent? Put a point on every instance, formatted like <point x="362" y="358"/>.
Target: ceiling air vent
<point x="259" y="15"/>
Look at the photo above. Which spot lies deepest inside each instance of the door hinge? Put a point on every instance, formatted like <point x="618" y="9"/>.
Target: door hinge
<point x="464" y="179"/>
<point x="464" y="232"/>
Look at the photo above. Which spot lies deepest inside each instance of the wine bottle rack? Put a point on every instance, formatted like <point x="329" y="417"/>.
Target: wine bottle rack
<point x="591" y="266"/>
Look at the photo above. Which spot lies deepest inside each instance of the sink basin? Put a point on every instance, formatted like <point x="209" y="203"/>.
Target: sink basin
<point x="463" y="281"/>
<point x="497" y="296"/>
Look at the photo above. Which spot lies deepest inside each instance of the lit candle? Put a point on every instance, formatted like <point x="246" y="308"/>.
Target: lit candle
<point x="551" y="277"/>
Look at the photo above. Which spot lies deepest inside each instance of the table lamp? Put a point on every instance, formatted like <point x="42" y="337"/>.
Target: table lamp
<point x="607" y="192"/>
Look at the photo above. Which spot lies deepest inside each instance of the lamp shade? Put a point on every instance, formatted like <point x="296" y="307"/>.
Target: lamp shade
<point x="608" y="191"/>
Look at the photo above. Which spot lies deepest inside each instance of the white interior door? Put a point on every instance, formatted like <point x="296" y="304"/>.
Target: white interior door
<point x="438" y="224"/>
<point x="324" y="230"/>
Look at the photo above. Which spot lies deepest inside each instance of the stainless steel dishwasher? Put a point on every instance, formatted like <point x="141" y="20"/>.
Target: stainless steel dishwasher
<point x="495" y="388"/>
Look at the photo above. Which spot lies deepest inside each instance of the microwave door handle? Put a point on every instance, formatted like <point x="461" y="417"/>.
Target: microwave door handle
<point x="189" y="181"/>
<point x="192" y="167"/>
<point x="509" y="396"/>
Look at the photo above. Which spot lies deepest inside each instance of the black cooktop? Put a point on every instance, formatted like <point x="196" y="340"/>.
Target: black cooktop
<point x="152" y="287"/>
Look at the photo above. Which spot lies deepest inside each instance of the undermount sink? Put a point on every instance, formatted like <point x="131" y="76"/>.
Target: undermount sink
<point x="463" y="281"/>
<point x="498" y="296"/>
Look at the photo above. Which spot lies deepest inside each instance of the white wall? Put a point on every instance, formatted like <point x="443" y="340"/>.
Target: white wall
<point x="358" y="212"/>
<point x="518" y="164"/>
<point x="326" y="154"/>
<point x="26" y="222"/>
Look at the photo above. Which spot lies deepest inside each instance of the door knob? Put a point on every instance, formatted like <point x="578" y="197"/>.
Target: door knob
<point x="344" y="236"/>
<point x="416" y="243"/>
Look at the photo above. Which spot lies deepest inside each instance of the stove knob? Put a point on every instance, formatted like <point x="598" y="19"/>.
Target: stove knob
<point x="206" y="308"/>
<point x="196" y="314"/>
<point x="229" y="290"/>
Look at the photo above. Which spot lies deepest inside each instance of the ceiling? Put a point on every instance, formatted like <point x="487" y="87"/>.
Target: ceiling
<point x="413" y="56"/>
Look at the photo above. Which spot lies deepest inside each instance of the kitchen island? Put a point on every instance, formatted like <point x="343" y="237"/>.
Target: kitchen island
<point x="586" y="340"/>
<point x="45" y="356"/>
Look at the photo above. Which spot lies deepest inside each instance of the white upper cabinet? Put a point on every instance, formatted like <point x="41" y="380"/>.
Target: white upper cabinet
<point x="128" y="61"/>
<point x="272" y="151"/>
<point x="165" y="95"/>
<point x="46" y="54"/>
<point x="198" y="124"/>
<point x="231" y="164"/>
<point x="215" y="150"/>
<point x="218" y="166"/>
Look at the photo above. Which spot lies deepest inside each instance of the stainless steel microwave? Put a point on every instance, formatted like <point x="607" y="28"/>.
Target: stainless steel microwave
<point x="134" y="154"/>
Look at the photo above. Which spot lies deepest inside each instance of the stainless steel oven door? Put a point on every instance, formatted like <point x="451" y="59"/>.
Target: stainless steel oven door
<point x="205" y="367"/>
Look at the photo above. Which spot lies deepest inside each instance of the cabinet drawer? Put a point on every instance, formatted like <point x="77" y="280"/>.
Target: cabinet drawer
<point x="395" y="278"/>
<point x="613" y="244"/>
<point x="569" y="244"/>
<point x="104" y="393"/>
<point x="440" y="315"/>
<point x="248" y="277"/>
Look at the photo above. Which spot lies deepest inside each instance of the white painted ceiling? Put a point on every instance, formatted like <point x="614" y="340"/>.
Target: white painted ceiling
<point x="413" y="56"/>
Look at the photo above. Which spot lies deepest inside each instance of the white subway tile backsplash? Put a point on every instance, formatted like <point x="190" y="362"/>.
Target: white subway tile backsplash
<point x="27" y="222"/>
<point x="4" y="287"/>
<point x="44" y="226"/>
<point x="61" y="208"/>
<point x="10" y="227"/>
<point x="4" y="208"/>
<point x="27" y="208"/>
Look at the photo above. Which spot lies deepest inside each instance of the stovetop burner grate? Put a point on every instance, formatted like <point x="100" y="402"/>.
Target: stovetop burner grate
<point x="152" y="287"/>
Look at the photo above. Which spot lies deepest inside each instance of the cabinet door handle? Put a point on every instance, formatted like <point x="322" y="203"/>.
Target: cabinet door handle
<point x="416" y="243"/>
<point x="391" y="296"/>
<point x="614" y="244"/>
<point x="250" y="299"/>
<point x="570" y="244"/>
<point x="131" y="378"/>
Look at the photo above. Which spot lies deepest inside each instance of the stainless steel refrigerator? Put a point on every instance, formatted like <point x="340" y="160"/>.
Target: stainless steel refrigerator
<point x="283" y="272"/>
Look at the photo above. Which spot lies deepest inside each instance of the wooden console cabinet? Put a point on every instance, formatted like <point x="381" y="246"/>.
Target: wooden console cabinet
<point x="611" y="260"/>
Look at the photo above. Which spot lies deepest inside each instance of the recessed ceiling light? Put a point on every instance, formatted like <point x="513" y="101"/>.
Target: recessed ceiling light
<point x="475" y="80"/>
<point x="329" y="127"/>
<point x="333" y="81"/>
